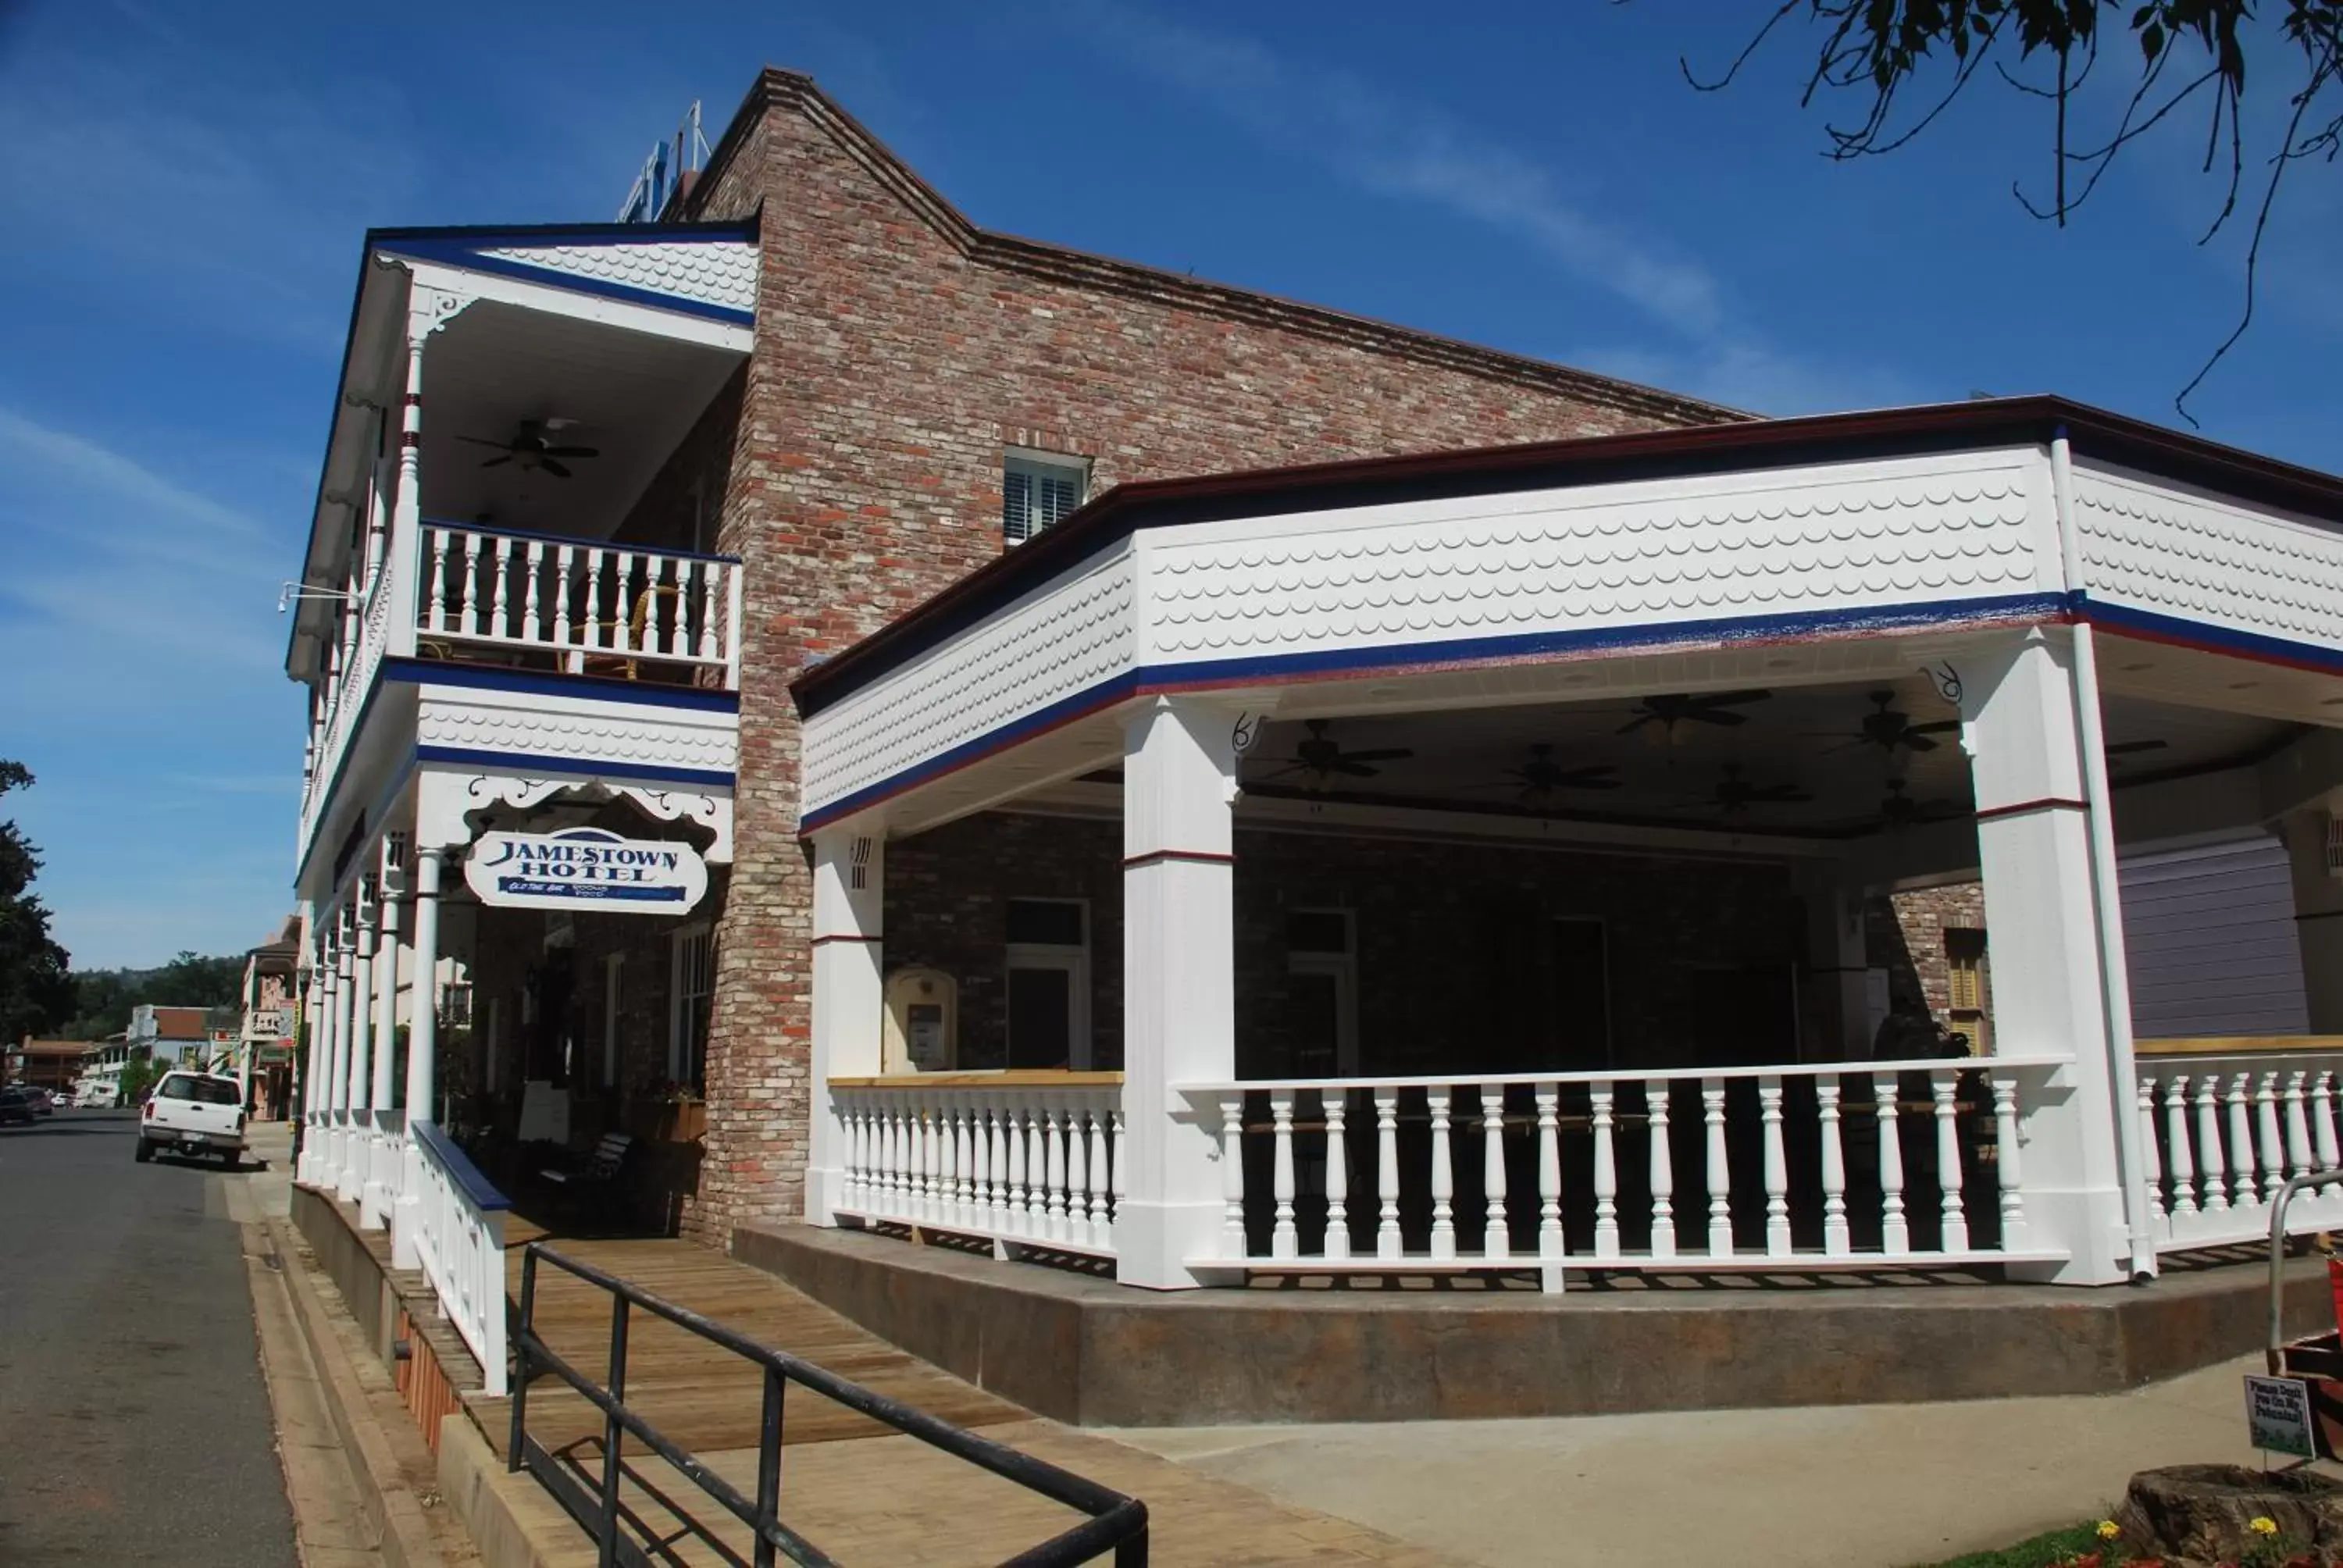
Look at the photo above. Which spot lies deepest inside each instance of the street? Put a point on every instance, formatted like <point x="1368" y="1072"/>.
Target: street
<point x="135" y="1425"/>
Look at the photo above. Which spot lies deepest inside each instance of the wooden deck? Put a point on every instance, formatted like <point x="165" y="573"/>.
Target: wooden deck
<point x="854" y="1488"/>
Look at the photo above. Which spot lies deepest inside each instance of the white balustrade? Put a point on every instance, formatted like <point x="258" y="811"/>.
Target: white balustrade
<point x="599" y="608"/>
<point x="1030" y="1166"/>
<point x="459" y="1222"/>
<point x="1801" y="1166"/>
<point x="2231" y="1129"/>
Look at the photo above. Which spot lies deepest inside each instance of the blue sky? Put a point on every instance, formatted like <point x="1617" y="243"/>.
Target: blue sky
<point x="186" y="188"/>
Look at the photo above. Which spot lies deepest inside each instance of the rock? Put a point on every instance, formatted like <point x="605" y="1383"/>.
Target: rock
<point x="2198" y="1514"/>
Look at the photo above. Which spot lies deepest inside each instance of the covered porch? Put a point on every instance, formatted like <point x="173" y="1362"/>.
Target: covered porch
<point x="1698" y="854"/>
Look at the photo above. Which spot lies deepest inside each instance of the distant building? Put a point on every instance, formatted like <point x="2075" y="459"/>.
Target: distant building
<point x="170" y="1034"/>
<point x="46" y="1063"/>
<point x="263" y="1050"/>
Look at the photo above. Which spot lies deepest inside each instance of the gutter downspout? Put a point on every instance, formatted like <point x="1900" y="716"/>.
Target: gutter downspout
<point x="2114" y="970"/>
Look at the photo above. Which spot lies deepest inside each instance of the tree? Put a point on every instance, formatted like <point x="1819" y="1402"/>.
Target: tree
<point x="36" y="992"/>
<point x="2187" y="55"/>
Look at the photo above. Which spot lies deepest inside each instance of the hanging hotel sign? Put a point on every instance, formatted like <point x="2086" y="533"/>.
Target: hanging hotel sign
<point x="586" y="867"/>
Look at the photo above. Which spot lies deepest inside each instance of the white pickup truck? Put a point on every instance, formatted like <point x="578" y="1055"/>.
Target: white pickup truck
<point x="193" y="1113"/>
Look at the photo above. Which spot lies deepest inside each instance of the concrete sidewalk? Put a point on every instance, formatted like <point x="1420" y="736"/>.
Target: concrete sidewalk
<point x="1847" y="1486"/>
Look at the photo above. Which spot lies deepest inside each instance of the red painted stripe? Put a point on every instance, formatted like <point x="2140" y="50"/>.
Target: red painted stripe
<point x="2051" y="803"/>
<point x="1192" y="857"/>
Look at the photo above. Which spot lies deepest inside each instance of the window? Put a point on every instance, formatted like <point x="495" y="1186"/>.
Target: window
<point x="1037" y="489"/>
<point x="202" y="1090"/>
<point x="1964" y="985"/>
<point x="1321" y="994"/>
<point x="691" y="991"/>
<point x="1049" y="983"/>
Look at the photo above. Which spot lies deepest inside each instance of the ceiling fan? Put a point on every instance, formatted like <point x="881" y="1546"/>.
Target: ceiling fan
<point x="1540" y="778"/>
<point x="1322" y="761"/>
<point x="1718" y="707"/>
<point x="1734" y="794"/>
<point x="1900" y="810"/>
<point x="1887" y="728"/>
<point x="531" y="446"/>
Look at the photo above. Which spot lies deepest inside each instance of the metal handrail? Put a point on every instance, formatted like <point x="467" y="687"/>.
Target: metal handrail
<point x="1117" y="1522"/>
<point x="2275" y="1352"/>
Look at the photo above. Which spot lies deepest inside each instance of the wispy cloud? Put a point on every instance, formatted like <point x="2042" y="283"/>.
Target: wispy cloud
<point x="1386" y="143"/>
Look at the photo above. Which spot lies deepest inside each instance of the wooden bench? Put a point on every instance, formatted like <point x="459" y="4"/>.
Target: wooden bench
<point x="600" y="1174"/>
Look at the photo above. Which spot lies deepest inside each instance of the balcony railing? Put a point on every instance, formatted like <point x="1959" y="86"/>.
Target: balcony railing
<point x="597" y="609"/>
<point x="2223" y="1125"/>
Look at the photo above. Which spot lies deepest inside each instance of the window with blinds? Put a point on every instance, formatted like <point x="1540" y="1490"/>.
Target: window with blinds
<point x="1037" y="491"/>
<point x="691" y="990"/>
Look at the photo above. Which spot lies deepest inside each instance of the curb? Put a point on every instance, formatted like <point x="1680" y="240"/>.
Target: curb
<point x="403" y="1533"/>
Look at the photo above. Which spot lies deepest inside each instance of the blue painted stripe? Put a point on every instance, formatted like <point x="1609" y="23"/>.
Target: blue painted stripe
<point x="468" y="255"/>
<point x="571" y="767"/>
<point x="2214" y="638"/>
<point x="1412" y="658"/>
<point x="481" y="1192"/>
<point x="550" y="683"/>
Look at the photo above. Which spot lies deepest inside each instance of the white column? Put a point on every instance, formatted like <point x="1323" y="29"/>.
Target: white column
<point x="850" y="895"/>
<point x="422" y="1045"/>
<point x="1179" y="982"/>
<point x="331" y="1018"/>
<point x="312" y="1064"/>
<point x="359" y="1091"/>
<point x="381" y="1184"/>
<point x="2033" y="844"/>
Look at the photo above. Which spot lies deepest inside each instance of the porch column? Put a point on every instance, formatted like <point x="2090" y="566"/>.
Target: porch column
<point x="1179" y="983"/>
<point x="849" y="893"/>
<point x="313" y="1018"/>
<point x="381" y="1176"/>
<point x="2033" y="833"/>
<point x="422" y="1044"/>
<point x="330" y="1076"/>
<point x="359" y="1091"/>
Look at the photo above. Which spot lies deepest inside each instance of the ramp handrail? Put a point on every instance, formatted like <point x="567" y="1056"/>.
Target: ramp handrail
<point x="1117" y="1522"/>
<point x="2277" y="1349"/>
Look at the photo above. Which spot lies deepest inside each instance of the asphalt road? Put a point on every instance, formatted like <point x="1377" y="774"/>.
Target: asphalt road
<point x="134" y="1423"/>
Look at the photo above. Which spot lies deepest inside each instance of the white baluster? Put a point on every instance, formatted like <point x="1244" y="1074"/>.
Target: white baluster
<point x="1657" y="1109"/>
<point x="1894" y="1229"/>
<point x="654" y="602"/>
<point x="2007" y="1164"/>
<point x="2160" y="1216"/>
<point x="1836" y="1240"/>
<point x="1388" y="1241"/>
<point x="1053" y="1170"/>
<point x="709" y="572"/>
<point x="1334" y="1105"/>
<point x="1496" y="1240"/>
<point x="1942" y="1084"/>
<point x="1021" y="1197"/>
<point x="1233" y="1216"/>
<point x="1101" y="1234"/>
<point x="2322" y="1120"/>
<point x="1777" y="1167"/>
<point x="500" y="554"/>
<point x="992" y="1195"/>
<point x="595" y="620"/>
<point x="563" y="558"/>
<point x="2298" y="1156"/>
<point x="2271" y="1143"/>
<point x="2179" y="1155"/>
<point x="679" y="643"/>
<point x="1116" y="1187"/>
<point x="1284" y="1242"/>
<point x="471" y="621"/>
<point x="1720" y="1178"/>
<point x="967" y="1191"/>
<point x="2211" y="1161"/>
<point x="2243" y="1194"/>
<point x="435" y="612"/>
<point x="1443" y="1176"/>
<point x="1602" y="1098"/>
<point x="1078" y="1176"/>
<point x="530" y="631"/>
<point x="622" y="613"/>
<point x="1549" y="1125"/>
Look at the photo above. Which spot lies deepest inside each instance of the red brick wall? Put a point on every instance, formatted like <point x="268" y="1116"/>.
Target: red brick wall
<point x="898" y="352"/>
<point x="1905" y="933"/>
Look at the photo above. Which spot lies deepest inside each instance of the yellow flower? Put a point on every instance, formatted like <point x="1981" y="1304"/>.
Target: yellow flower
<point x="2264" y="1525"/>
<point x="2109" y="1530"/>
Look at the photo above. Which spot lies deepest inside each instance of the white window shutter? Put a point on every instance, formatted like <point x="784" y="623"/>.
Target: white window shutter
<point x="1016" y="506"/>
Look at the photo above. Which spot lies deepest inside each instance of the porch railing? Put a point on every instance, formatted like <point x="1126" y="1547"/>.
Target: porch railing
<point x="2225" y="1125"/>
<point x="1842" y="1164"/>
<point x="458" y="1220"/>
<point x="599" y="607"/>
<point x="1030" y="1162"/>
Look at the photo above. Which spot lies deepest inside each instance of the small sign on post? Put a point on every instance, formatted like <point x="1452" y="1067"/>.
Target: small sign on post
<point x="2278" y="1415"/>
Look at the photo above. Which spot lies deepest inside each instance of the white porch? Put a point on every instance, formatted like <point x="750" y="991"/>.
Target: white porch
<point x="2135" y="639"/>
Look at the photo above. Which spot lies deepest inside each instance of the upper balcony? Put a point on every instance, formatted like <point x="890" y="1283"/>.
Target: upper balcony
<point x="512" y="568"/>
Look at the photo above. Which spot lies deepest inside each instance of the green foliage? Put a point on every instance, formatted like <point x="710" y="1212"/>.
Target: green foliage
<point x="104" y="998"/>
<point x="36" y="994"/>
<point x="138" y="1077"/>
<point x="2042" y="1551"/>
